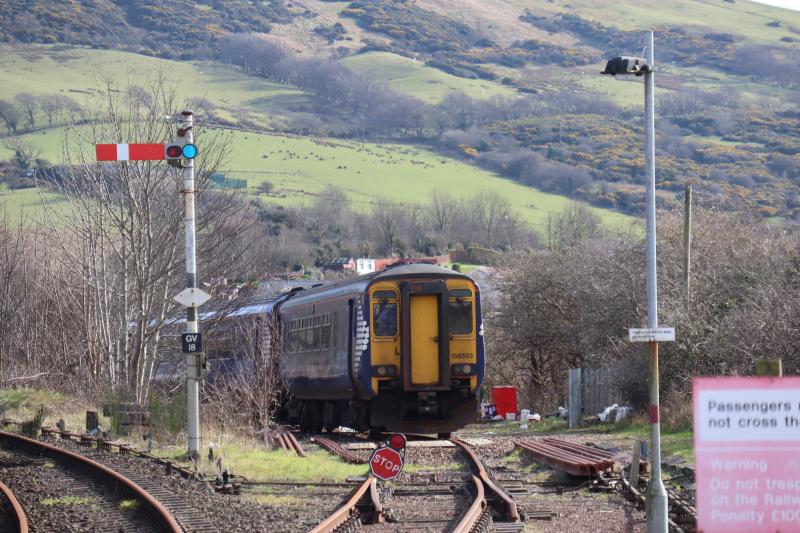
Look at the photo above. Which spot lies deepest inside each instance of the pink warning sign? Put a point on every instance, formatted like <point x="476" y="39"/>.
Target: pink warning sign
<point x="747" y="450"/>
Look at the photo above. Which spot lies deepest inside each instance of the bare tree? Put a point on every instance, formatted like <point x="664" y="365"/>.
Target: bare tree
<point x="25" y="154"/>
<point x="10" y="115"/>
<point x="487" y="212"/>
<point x="29" y="103"/>
<point x="120" y="236"/>
<point x="247" y="380"/>
<point x="572" y="227"/>
<point x="443" y="211"/>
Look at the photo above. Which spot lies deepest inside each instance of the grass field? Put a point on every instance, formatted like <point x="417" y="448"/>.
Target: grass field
<point x="15" y="204"/>
<point x="413" y="77"/>
<point x="246" y="458"/>
<point x="301" y="167"/>
<point x="742" y="17"/>
<point x="78" y="72"/>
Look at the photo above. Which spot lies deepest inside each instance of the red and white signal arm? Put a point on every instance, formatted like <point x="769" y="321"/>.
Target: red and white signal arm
<point x="386" y="463"/>
<point x="130" y="152"/>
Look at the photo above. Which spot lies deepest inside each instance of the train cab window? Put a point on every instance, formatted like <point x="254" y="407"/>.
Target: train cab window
<point x="384" y="313"/>
<point x="459" y="309"/>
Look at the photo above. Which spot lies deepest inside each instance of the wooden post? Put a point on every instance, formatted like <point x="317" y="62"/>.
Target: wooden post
<point x="92" y="420"/>
<point x="687" y="238"/>
<point x="769" y="367"/>
<point x="635" y="458"/>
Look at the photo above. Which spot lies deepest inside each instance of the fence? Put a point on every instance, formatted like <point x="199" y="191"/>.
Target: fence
<point x="590" y="391"/>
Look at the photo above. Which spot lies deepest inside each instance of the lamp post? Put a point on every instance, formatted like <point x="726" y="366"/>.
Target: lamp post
<point x="656" y="497"/>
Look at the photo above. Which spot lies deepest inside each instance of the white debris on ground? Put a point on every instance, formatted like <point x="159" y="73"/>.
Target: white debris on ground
<point x="615" y="413"/>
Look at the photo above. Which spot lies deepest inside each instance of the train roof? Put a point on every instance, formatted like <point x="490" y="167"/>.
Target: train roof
<point x="361" y="283"/>
<point x="417" y="270"/>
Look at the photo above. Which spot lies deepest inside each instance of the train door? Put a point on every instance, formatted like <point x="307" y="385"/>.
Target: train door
<point x="425" y="343"/>
<point x="424" y="339"/>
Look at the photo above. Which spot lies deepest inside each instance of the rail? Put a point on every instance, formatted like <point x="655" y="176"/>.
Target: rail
<point x="511" y="511"/>
<point x="475" y="511"/>
<point x="19" y="514"/>
<point x="571" y="458"/>
<point x="289" y="443"/>
<point x="335" y="447"/>
<point x="349" y="509"/>
<point x="159" y="511"/>
<point x="121" y="448"/>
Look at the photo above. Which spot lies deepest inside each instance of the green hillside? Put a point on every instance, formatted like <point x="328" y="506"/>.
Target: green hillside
<point x="413" y="77"/>
<point x="78" y="72"/>
<point x="380" y="70"/>
<point x="301" y="167"/>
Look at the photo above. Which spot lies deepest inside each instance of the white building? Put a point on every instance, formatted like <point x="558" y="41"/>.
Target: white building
<point x="365" y="266"/>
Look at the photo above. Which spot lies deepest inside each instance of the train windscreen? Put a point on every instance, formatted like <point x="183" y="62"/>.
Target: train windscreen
<point x="384" y="313"/>
<point x="459" y="309"/>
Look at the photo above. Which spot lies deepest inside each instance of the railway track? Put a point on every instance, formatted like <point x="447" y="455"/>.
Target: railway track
<point x="458" y="502"/>
<point x="12" y="516"/>
<point x="64" y="491"/>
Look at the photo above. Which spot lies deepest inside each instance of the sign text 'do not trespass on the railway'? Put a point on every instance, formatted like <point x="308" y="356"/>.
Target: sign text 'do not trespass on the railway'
<point x="747" y="452"/>
<point x="651" y="334"/>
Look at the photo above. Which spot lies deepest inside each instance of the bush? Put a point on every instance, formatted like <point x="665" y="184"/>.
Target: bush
<point x="166" y="414"/>
<point x="33" y="427"/>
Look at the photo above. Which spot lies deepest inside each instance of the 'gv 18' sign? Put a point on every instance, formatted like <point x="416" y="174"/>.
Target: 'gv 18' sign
<point x="192" y="342"/>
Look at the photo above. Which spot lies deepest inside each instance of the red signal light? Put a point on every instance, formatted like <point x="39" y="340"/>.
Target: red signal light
<point x="397" y="441"/>
<point x="174" y="151"/>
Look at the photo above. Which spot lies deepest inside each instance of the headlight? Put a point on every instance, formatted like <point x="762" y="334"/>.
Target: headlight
<point x="384" y="371"/>
<point x="463" y="369"/>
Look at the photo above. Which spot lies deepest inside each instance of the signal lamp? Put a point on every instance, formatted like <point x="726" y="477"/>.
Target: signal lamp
<point x="189" y="151"/>
<point x="174" y="151"/>
<point x="397" y="441"/>
<point x="627" y="65"/>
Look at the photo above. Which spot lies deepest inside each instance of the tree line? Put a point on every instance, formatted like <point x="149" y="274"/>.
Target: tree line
<point x="26" y="108"/>
<point x="332" y="227"/>
<point x="570" y="306"/>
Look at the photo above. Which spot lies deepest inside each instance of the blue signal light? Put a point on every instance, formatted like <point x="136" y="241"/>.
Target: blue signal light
<point x="189" y="151"/>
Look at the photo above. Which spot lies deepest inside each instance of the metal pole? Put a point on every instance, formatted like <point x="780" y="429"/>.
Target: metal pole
<point x="656" y="499"/>
<point x="687" y="238"/>
<point x="192" y="322"/>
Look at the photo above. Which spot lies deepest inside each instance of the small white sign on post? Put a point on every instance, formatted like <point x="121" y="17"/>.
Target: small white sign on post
<point x="192" y="297"/>
<point x="651" y="334"/>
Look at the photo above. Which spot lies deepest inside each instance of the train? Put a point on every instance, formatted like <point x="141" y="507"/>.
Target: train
<point x="398" y="350"/>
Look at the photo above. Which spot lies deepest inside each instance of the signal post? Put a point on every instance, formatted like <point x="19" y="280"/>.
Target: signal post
<point x="656" y="496"/>
<point x="192" y="358"/>
<point x="180" y="153"/>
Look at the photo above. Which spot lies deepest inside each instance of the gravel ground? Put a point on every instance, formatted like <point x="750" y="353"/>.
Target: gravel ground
<point x="6" y="523"/>
<point x="431" y="483"/>
<point x="223" y="513"/>
<point x="575" y="509"/>
<point x="429" y="495"/>
<point x="55" y="499"/>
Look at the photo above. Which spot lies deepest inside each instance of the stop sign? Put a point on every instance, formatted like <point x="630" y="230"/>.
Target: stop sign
<point x="386" y="463"/>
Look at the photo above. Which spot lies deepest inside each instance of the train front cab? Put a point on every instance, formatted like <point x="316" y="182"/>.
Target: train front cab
<point x="426" y="345"/>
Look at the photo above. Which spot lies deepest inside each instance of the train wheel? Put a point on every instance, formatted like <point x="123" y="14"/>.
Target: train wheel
<point x="316" y="417"/>
<point x="311" y="417"/>
<point x="329" y="416"/>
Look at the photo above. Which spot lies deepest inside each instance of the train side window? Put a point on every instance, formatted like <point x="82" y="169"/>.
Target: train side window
<point x="459" y="310"/>
<point x="384" y="313"/>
